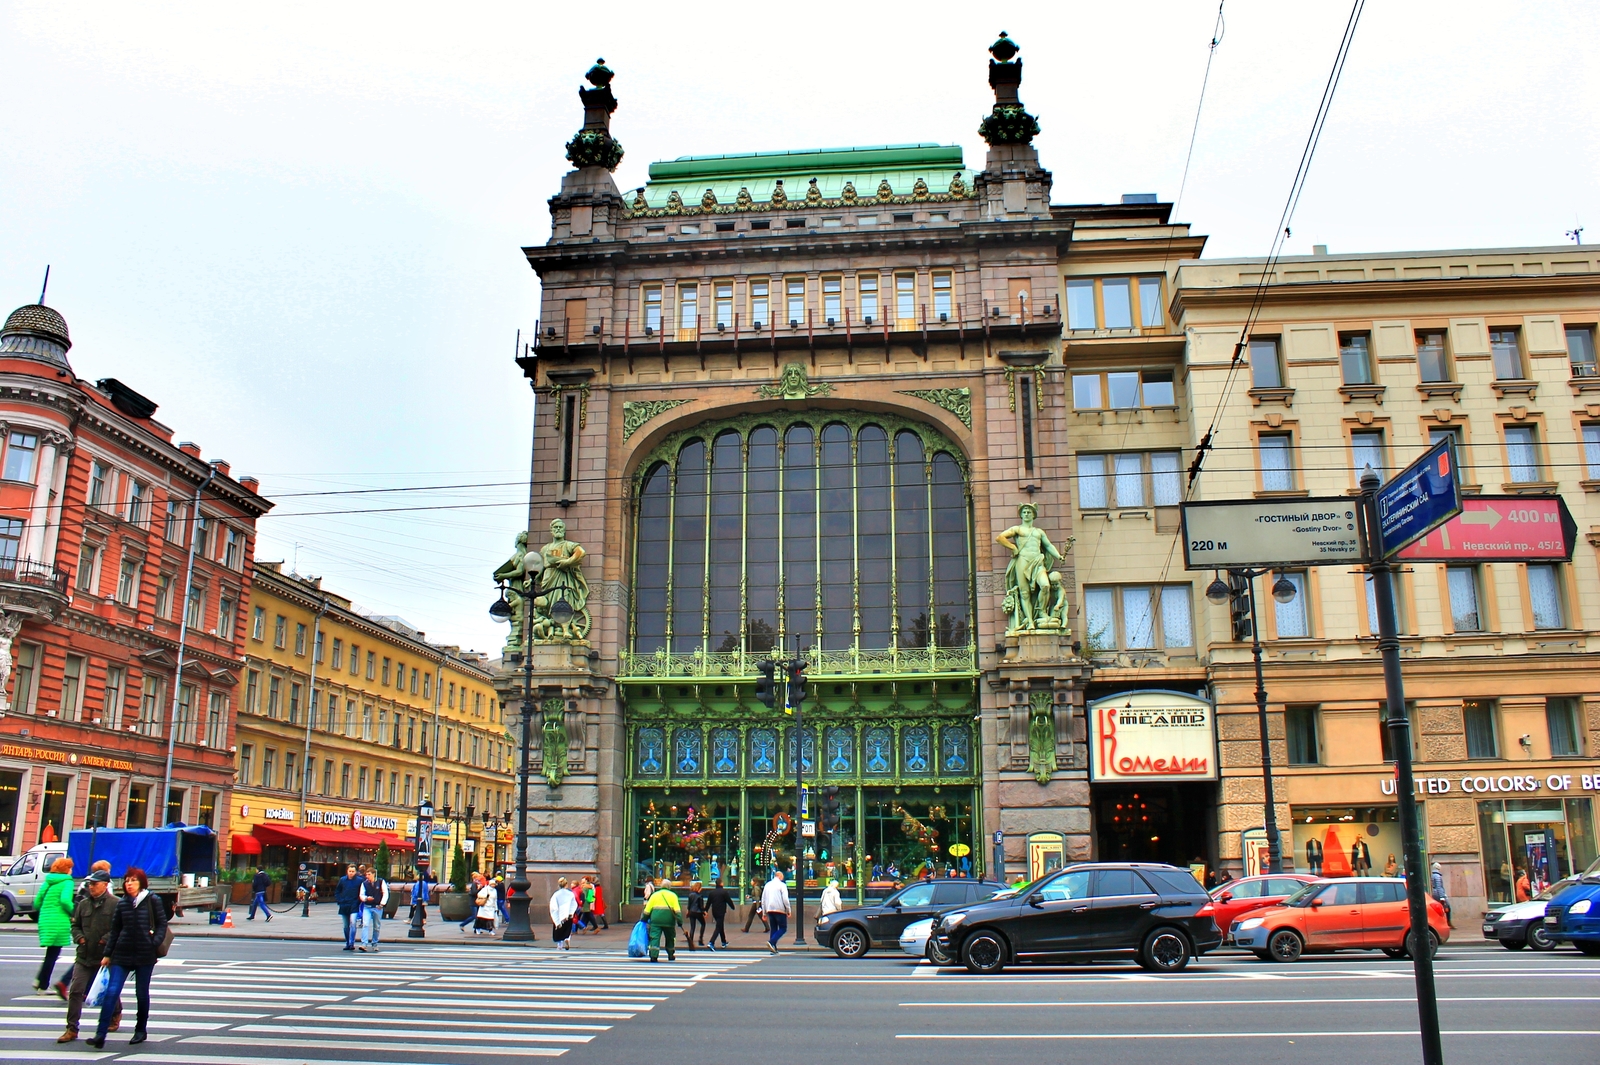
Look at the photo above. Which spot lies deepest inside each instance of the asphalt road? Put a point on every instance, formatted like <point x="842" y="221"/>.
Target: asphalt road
<point x="244" y="1002"/>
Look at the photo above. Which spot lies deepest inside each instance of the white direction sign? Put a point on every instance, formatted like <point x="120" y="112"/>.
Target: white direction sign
<point x="1272" y="532"/>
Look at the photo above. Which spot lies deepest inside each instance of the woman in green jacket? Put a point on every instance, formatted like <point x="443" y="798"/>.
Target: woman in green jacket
<point x="54" y="903"/>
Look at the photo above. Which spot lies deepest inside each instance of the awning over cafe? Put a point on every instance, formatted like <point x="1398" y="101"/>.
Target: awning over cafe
<point x="246" y="844"/>
<point x="334" y="838"/>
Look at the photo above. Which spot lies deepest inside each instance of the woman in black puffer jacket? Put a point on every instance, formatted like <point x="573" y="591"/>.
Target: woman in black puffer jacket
<point x="137" y="929"/>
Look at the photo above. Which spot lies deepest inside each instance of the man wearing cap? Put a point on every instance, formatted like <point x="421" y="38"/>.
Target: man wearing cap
<point x="91" y="927"/>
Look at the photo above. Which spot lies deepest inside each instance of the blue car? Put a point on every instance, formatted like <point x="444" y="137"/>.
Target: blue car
<point x="1573" y="916"/>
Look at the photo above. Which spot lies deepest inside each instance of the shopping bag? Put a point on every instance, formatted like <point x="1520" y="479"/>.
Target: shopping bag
<point x="639" y="940"/>
<point x="97" y="989"/>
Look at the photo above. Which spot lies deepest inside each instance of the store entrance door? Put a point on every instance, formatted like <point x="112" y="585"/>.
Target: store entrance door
<point x="1153" y="823"/>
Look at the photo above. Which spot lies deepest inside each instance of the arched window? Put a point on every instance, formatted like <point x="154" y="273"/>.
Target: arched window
<point x="802" y="533"/>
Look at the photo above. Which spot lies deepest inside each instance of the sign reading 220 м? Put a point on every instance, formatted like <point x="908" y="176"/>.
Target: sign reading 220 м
<point x="1271" y="532"/>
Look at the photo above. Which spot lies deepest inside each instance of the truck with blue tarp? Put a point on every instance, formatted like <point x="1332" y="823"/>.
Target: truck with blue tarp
<point x="165" y="855"/>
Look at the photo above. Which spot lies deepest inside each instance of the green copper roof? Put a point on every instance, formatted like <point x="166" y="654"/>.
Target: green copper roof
<point x="758" y="174"/>
<point x="814" y="161"/>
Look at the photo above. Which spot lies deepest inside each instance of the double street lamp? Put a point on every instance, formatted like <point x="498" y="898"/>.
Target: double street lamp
<point x="519" y="928"/>
<point x="1239" y="590"/>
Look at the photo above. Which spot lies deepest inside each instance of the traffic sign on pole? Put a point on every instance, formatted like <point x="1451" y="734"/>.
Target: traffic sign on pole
<point x="1418" y="500"/>
<point x="1267" y="533"/>
<point x="1500" y="529"/>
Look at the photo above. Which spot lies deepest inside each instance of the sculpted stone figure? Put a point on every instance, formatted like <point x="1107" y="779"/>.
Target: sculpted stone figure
<point x="518" y="577"/>
<point x="1036" y="598"/>
<point x="9" y="625"/>
<point x="561" y="580"/>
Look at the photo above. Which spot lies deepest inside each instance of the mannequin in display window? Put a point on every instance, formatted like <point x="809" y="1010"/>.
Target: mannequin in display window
<point x="1314" y="857"/>
<point x="1360" y="858"/>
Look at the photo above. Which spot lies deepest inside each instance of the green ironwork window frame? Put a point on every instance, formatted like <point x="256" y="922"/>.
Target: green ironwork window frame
<point x="681" y="583"/>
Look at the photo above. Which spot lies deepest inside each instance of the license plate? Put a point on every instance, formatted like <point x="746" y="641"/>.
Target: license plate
<point x="1488" y="929"/>
<point x="1552" y="920"/>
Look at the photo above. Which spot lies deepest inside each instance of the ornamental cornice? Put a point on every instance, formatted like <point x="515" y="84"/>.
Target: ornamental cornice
<point x="812" y="199"/>
<point x="225" y="488"/>
<point x="1390" y="290"/>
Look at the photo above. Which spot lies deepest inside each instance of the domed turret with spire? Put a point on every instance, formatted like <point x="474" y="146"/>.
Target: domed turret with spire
<point x="36" y="332"/>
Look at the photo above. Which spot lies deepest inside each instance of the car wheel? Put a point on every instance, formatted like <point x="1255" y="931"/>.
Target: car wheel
<point x="1591" y="949"/>
<point x="7" y="911"/>
<point x="1166" y="950"/>
<point x="850" y="941"/>
<point x="984" y="953"/>
<point x="1285" y="945"/>
<point x="1539" y="939"/>
<point x="1433" y="943"/>
<point x="1394" y="952"/>
<point x="1513" y="944"/>
<point x="935" y="953"/>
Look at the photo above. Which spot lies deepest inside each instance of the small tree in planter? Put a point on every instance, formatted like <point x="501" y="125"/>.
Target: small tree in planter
<point x="458" y="869"/>
<point x="381" y="862"/>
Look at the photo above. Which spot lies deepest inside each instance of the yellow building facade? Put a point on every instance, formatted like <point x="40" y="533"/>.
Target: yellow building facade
<point x="1351" y="361"/>
<point x="347" y="722"/>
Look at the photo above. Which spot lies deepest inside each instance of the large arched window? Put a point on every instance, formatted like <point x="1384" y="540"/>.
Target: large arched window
<point x="803" y="533"/>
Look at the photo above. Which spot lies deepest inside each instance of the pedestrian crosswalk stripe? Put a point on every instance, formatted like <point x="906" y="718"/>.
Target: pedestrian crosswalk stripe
<point x="290" y="1028"/>
<point x="479" y="1025"/>
<point x="478" y="1049"/>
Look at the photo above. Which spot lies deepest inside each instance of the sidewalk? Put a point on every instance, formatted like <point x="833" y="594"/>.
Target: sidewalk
<point x="324" y="925"/>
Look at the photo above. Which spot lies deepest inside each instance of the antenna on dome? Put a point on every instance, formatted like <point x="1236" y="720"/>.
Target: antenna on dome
<point x="46" y="286"/>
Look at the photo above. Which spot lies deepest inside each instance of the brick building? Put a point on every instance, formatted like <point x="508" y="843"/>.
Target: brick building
<point x="97" y="513"/>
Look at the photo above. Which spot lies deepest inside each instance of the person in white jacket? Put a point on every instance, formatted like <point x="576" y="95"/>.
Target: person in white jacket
<point x="374" y="896"/>
<point x="775" y="904"/>
<point x="563" y="907"/>
<point x="831" y="902"/>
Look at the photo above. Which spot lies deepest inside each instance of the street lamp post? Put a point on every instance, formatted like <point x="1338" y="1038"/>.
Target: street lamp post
<point x="519" y="928"/>
<point x="1283" y="591"/>
<point x="424" y="843"/>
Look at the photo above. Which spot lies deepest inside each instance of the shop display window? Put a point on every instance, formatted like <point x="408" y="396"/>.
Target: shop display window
<point x="1349" y="840"/>
<point x="10" y="806"/>
<point x="1547" y="838"/>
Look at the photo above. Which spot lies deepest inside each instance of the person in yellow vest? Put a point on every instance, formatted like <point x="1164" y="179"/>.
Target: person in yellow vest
<point x="664" y="914"/>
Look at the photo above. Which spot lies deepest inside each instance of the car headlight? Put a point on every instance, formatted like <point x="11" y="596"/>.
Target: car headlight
<point x="1245" y="926"/>
<point x="952" y="919"/>
<point x="821" y="921"/>
<point x="1581" y="906"/>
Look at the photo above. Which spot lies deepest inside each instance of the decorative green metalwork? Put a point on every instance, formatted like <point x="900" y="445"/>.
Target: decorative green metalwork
<point x="555" y="392"/>
<point x="594" y="147"/>
<point x="635" y="413"/>
<point x="1038" y="385"/>
<point x="1041" y="737"/>
<point x="957" y="401"/>
<point x="553" y="748"/>
<point x="794" y="384"/>
<point x="850" y="663"/>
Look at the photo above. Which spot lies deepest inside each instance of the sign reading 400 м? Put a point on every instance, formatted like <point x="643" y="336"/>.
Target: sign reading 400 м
<point x="1275" y="532"/>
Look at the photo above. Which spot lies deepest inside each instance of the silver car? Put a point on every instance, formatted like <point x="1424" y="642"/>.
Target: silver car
<point x="917" y="940"/>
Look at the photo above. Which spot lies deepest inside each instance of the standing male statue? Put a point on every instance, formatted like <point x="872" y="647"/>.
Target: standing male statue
<point x="517" y="572"/>
<point x="561" y="580"/>
<point x="1035" y="598"/>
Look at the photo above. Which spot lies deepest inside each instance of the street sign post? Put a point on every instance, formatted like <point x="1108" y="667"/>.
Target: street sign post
<point x="1418" y="500"/>
<point x="1500" y="529"/>
<point x="1271" y="533"/>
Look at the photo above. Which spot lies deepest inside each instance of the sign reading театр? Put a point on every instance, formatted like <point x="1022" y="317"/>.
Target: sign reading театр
<point x="1271" y="532"/>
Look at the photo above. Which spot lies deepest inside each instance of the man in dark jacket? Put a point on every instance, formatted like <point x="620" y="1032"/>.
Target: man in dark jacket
<point x="719" y="900"/>
<point x="348" y="897"/>
<point x="258" y="894"/>
<point x="91" y="927"/>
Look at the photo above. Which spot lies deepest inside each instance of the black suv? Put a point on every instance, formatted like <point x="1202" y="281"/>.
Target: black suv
<point x="851" y="933"/>
<point x="1157" y="914"/>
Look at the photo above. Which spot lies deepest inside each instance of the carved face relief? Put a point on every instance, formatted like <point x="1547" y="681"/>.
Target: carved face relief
<point x="558" y="529"/>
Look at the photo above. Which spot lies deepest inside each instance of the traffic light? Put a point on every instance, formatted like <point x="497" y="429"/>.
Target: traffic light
<point x="1239" y="607"/>
<point x="764" y="690"/>
<point x="830" y="809"/>
<point x="797" y="684"/>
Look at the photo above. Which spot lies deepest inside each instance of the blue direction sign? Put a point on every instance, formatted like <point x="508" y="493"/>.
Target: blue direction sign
<point x="1418" y="500"/>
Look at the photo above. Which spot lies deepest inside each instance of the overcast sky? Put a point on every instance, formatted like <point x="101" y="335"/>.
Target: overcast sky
<point x="297" y="226"/>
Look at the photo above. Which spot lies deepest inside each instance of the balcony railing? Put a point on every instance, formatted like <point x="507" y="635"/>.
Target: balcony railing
<point x="924" y="661"/>
<point x="39" y="575"/>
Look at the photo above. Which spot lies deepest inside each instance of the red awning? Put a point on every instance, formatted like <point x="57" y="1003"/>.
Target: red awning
<point x="274" y="835"/>
<point x="246" y="844"/>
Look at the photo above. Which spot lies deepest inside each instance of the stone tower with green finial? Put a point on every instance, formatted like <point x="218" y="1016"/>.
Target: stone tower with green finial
<point x="589" y="205"/>
<point x="1012" y="185"/>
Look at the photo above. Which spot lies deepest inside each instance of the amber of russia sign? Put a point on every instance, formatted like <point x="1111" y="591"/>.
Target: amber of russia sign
<point x="1152" y="736"/>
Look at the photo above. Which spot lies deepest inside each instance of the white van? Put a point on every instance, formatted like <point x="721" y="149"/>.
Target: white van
<point x="21" y="882"/>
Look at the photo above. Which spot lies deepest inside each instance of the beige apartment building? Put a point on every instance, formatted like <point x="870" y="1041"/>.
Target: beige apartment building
<point x="1358" y="360"/>
<point x="347" y="722"/>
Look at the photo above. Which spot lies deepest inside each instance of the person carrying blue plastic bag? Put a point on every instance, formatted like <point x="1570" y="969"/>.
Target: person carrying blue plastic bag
<point x="639" y="939"/>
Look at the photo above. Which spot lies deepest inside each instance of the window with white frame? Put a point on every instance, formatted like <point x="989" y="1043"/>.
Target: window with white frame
<point x="1276" y="451"/>
<point x="111" y="707"/>
<point x="1591" y="452"/>
<point x="1293" y="619"/>
<point x="1433" y="362"/>
<point x="688" y="308"/>
<point x="1366" y="451"/>
<point x="652" y="309"/>
<point x="227" y="607"/>
<point x="1138" y="617"/>
<point x="1522" y="454"/>
<point x="216" y="735"/>
<point x="138" y="502"/>
<point x="759" y="306"/>
<point x="1465" y="613"/>
<point x="99" y="484"/>
<point x="1564" y="724"/>
<point x="722" y="304"/>
<point x="942" y="306"/>
<point x="21" y="450"/>
<point x="1355" y="358"/>
<point x="74" y="673"/>
<point x="1122" y="390"/>
<point x="1266" y="363"/>
<point x="152" y="704"/>
<point x="795" y="301"/>
<point x="833" y="300"/>
<point x="1506" y="347"/>
<point x="1544" y="596"/>
<point x="128" y="581"/>
<point x="88" y="559"/>
<point x="10" y="540"/>
<point x="1581" y="351"/>
<point x="195" y="614"/>
<point x="1129" y="479"/>
<point x="867" y="297"/>
<point x="233" y="549"/>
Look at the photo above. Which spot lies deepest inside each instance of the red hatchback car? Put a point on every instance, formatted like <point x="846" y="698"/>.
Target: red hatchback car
<point x="1237" y="897"/>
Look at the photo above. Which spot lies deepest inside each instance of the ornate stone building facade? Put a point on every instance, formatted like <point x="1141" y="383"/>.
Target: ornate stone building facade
<point x="96" y="521"/>
<point x="812" y="404"/>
